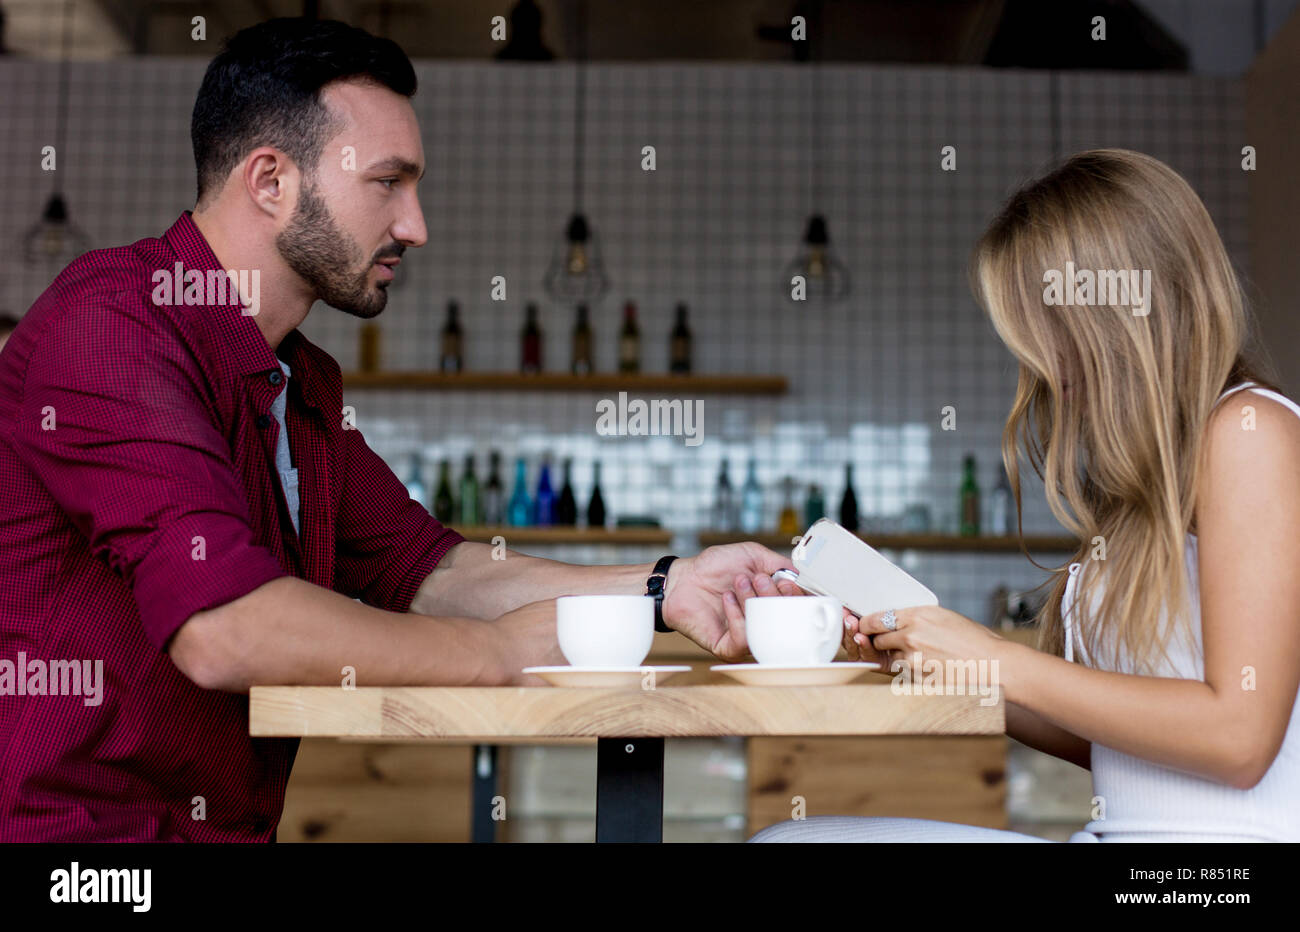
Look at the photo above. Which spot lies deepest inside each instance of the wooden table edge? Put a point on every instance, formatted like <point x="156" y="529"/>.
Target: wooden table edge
<point x="515" y="714"/>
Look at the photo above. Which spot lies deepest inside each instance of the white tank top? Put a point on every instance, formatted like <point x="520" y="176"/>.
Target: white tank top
<point x="1145" y="801"/>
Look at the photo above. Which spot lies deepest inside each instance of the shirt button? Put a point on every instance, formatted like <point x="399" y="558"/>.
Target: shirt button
<point x="264" y="420"/>
<point x="275" y="378"/>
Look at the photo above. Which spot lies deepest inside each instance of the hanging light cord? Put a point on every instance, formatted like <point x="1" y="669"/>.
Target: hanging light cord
<point x="61" y="113"/>
<point x="579" y="103"/>
<point x="1054" y="93"/>
<point x="814" y="62"/>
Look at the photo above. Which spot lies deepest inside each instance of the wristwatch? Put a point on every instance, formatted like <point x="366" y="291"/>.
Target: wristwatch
<point x="654" y="586"/>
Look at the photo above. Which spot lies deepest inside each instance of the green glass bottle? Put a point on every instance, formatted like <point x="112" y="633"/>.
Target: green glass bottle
<point x="471" y="505"/>
<point x="969" y="499"/>
<point x="814" y="508"/>
<point x="444" y="508"/>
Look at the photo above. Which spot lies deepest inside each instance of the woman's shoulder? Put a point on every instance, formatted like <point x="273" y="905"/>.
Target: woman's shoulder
<point x="1254" y="411"/>
<point x="1251" y="454"/>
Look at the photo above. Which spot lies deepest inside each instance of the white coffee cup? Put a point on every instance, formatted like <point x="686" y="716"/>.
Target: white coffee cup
<point x="605" y="630"/>
<point x="794" y="630"/>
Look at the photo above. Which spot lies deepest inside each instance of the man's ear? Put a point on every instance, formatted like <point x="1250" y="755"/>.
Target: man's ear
<point x="270" y="179"/>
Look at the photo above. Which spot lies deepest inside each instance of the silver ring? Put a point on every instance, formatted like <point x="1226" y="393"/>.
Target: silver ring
<point x="889" y="620"/>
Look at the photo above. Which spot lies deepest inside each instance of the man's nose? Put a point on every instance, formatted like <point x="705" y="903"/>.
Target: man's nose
<point x="410" y="229"/>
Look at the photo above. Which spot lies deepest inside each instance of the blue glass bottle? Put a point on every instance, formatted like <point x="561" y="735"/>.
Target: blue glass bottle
<point x="544" y="504"/>
<point x="414" y="484"/>
<point x="520" y="508"/>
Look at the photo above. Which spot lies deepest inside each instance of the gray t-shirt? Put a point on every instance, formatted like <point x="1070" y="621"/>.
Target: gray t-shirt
<point x="288" y="475"/>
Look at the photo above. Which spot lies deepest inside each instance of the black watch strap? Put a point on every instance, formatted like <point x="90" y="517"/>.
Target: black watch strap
<point x="654" y="586"/>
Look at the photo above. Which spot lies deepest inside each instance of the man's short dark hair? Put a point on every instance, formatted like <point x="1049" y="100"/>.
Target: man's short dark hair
<point x="263" y="89"/>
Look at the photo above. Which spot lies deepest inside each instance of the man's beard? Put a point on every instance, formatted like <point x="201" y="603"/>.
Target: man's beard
<point x="327" y="259"/>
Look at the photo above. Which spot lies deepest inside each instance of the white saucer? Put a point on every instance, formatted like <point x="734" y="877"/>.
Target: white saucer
<point x="631" y="677"/>
<point x="817" y="674"/>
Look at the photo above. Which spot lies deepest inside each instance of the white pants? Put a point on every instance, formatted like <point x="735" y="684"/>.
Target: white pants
<point x="863" y="829"/>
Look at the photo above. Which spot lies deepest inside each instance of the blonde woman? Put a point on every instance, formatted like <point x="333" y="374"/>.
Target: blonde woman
<point x="1170" y="647"/>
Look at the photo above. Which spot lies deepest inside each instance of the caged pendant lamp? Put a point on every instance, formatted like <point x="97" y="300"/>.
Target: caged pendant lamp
<point x="815" y="272"/>
<point x="576" y="273"/>
<point x="55" y="240"/>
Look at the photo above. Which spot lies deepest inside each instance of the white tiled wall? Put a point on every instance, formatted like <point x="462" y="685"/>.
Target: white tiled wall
<point x="713" y="227"/>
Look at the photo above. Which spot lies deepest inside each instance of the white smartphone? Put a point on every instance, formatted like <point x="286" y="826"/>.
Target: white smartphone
<point x="836" y="562"/>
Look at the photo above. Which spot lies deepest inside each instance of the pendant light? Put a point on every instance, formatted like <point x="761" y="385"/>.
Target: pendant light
<point x="55" y="239"/>
<point x="824" y="277"/>
<point x="577" y="273"/>
<point x="525" y="42"/>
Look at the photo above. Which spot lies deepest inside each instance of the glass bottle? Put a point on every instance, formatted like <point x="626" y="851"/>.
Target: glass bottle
<point x="566" y="507"/>
<point x="849" y="503"/>
<point x="450" y="358"/>
<point x="787" y="524"/>
<point x="596" y="505"/>
<point x="581" y="363"/>
<point x="494" y="496"/>
<point x="629" y="341"/>
<point x="723" y="517"/>
<point x="544" y="501"/>
<point x="751" y="501"/>
<point x="968" y="510"/>
<point x="520" y="509"/>
<point x="814" y="507"/>
<point x="415" y="484"/>
<point x="471" y="503"/>
<point x="679" y="344"/>
<point x="444" y="508"/>
<point x="368" y="351"/>
<point x="531" y="354"/>
<point x="1003" y="517"/>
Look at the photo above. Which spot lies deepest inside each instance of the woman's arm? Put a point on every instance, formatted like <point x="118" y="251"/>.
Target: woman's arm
<point x="1230" y="726"/>
<point x="1025" y="726"/>
<point x="1030" y="728"/>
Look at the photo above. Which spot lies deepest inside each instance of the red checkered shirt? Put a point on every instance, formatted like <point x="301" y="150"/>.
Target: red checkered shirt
<point x="137" y="463"/>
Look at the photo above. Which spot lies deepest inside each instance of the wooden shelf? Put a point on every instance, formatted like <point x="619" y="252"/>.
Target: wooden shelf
<point x="516" y="536"/>
<point x="935" y="542"/>
<point x="660" y="382"/>
<point x="651" y="536"/>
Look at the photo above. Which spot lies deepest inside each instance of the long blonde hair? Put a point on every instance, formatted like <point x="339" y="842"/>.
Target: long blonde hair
<point x="1120" y="459"/>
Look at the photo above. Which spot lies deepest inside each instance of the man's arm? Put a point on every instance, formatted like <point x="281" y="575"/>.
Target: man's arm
<point x="290" y="632"/>
<point x="703" y="595"/>
<point x="393" y="554"/>
<point x="386" y="543"/>
<point x="469" y="582"/>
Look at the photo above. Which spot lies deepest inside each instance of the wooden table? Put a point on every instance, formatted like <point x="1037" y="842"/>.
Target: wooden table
<point x="630" y="725"/>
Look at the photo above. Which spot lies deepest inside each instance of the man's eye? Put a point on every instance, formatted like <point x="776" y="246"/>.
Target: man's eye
<point x="389" y="182"/>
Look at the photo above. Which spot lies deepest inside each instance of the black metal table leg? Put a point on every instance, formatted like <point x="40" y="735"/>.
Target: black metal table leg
<point x="483" y="828"/>
<point x="630" y="789"/>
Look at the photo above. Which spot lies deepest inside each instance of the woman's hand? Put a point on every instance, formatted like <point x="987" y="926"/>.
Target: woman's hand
<point x="923" y="633"/>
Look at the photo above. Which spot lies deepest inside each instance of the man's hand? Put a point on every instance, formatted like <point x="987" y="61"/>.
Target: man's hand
<point x="527" y="640"/>
<point x="704" y="594"/>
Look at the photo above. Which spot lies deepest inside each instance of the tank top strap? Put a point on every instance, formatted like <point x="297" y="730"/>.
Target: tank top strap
<point x="1067" y="610"/>
<point x="1240" y="386"/>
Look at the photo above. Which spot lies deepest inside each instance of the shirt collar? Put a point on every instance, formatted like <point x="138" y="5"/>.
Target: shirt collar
<point x="311" y="378"/>
<point x="242" y="347"/>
